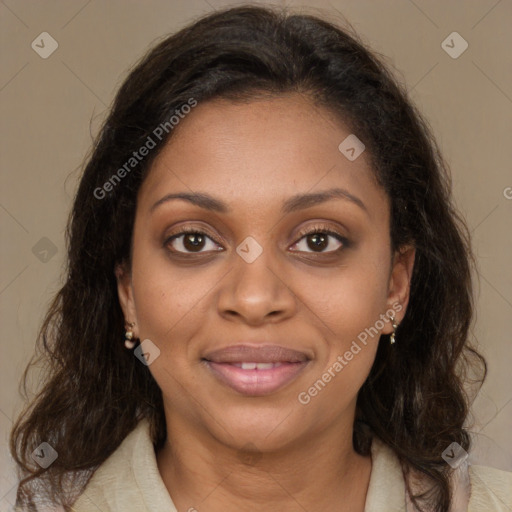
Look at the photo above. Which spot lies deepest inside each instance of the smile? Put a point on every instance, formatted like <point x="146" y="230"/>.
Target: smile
<point x="256" y="371"/>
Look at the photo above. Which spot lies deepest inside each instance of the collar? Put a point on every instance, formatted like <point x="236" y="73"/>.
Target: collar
<point x="129" y="479"/>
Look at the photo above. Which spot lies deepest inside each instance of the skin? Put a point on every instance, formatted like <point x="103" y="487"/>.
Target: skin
<point x="224" y="450"/>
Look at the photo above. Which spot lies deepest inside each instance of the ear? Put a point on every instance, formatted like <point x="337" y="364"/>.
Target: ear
<point x="125" y="294"/>
<point x="400" y="284"/>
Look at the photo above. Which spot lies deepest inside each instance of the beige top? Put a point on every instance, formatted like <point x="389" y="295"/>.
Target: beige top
<point x="129" y="481"/>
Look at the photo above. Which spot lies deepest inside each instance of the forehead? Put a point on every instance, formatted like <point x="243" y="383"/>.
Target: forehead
<point x="259" y="152"/>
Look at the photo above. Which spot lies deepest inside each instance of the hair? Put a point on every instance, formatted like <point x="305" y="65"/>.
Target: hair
<point x="413" y="399"/>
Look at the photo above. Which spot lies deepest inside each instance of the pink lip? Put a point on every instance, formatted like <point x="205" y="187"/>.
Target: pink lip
<point x="257" y="354"/>
<point x="256" y="382"/>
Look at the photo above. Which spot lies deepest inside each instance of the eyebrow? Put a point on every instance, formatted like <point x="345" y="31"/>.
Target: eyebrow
<point x="292" y="204"/>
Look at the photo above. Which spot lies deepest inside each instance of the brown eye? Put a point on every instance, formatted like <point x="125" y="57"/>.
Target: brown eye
<point x="320" y="241"/>
<point x="191" y="242"/>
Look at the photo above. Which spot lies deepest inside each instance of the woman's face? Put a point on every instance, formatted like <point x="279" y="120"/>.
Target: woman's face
<point x="260" y="176"/>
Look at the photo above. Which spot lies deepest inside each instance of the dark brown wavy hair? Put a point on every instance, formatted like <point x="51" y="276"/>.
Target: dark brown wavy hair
<point x="94" y="392"/>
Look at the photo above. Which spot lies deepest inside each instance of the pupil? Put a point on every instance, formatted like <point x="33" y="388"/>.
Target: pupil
<point x="319" y="241"/>
<point x="193" y="241"/>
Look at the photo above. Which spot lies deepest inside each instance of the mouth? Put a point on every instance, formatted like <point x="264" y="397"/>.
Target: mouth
<point x="256" y="370"/>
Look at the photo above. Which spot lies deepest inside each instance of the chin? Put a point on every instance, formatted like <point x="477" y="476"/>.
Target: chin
<point x="268" y="428"/>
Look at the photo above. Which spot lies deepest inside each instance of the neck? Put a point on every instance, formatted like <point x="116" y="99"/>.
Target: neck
<point x="322" y="472"/>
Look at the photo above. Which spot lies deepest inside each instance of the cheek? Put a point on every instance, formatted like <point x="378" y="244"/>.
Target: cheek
<point x="167" y="299"/>
<point x="171" y="311"/>
<point x="347" y="300"/>
<point x="348" y="304"/>
<point x="348" y="308"/>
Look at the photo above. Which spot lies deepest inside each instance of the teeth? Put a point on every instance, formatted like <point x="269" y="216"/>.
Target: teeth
<point x="264" y="366"/>
<point x="257" y="366"/>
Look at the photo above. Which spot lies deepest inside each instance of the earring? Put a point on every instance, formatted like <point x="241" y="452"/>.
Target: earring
<point x="128" y="335"/>
<point x="395" y="325"/>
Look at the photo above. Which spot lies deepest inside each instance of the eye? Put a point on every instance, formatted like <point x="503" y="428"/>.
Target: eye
<point x="320" y="240"/>
<point x="191" y="241"/>
<point x="317" y="240"/>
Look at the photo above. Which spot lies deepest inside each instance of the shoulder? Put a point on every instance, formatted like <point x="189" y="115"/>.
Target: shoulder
<point x="386" y="489"/>
<point x="113" y="477"/>
<point x="128" y="480"/>
<point x="491" y="489"/>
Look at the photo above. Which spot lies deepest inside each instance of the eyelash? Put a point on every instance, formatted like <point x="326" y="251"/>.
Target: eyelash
<point x="316" y="229"/>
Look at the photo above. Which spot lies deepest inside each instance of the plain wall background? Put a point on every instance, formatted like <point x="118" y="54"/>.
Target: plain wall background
<point x="51" y="107"/>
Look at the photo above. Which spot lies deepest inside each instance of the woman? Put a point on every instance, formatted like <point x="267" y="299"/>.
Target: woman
<point x="268" y="293"/>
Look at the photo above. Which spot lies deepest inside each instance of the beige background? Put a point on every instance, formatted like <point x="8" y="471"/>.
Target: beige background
<point x="51" y="107"/>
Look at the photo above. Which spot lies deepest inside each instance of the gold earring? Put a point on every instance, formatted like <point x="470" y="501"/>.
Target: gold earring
<point x="395" y="325"/>
<point x="128" y="335"/>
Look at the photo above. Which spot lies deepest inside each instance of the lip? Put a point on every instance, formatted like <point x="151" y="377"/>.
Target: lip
<point x="287" y="364"/>
<point x="256" y="354"/>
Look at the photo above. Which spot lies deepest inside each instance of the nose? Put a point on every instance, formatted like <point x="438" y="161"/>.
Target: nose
<point x="256" y="293"/>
